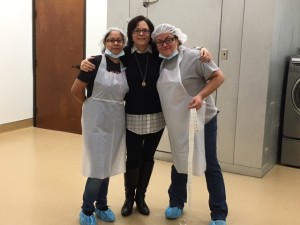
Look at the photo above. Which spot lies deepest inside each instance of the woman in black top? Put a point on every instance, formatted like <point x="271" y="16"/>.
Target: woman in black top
<point x="103" y="126"/>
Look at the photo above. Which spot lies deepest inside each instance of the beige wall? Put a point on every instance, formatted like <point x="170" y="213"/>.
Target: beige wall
<point x="16" y="86"/>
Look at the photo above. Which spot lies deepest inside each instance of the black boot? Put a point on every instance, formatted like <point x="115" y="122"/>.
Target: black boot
<point x="130" y="181"/>
<point x="143" y="181"/>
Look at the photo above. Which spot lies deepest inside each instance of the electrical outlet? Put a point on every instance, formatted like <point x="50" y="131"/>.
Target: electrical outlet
<point x="224" y="54"/>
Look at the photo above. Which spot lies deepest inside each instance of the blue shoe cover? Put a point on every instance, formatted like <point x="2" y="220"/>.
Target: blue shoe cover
<point x="217" y="222"/>
<point x="107" y="215"/>
<point x="173" y="213"/>
<point x="86" y="220"/>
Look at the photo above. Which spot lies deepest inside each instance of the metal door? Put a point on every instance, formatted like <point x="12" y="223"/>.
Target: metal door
<point x="200" y="20"/>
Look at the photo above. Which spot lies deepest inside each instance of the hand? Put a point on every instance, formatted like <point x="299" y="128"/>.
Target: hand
<point x="196" y="102"/>
<point x="86" y="65"/>
<point x="205" y="55"/>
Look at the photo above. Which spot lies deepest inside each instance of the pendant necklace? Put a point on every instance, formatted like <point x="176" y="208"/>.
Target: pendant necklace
<point x="145" y="74"/>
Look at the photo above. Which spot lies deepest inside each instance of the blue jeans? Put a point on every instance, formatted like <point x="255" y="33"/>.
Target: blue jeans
<point x="213" y="174"/>
<point x="95" y="191"/>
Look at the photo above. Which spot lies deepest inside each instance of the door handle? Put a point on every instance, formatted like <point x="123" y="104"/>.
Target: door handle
<point x="76" y="66"/>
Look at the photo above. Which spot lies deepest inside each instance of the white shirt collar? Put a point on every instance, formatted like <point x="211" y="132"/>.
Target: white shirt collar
<point x="134" y="49"/>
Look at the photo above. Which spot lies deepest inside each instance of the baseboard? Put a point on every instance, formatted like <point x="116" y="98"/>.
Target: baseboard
<point x="248" y="171"/>
<point x="227" y="167"/>
<point x="16" y="125"/>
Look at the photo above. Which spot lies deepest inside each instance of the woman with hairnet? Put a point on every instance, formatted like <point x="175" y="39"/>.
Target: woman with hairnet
<point x="187" y="83"/>
<point x="103" y="125"/>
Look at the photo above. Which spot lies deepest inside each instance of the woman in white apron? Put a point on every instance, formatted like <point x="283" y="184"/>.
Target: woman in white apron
<point x="103" y="126"/>
<point x="185" y="83"/>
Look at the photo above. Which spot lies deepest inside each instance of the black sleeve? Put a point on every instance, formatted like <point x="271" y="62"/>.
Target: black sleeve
<point x="89" y="77"/>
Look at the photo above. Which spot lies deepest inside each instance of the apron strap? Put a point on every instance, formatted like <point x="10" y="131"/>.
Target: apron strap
<point x="105" y="100"/>
<point x="193" y="128"/>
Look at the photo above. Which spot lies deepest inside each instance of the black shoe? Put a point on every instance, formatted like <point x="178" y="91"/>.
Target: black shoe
<point x="142" y="206"/>
<point x="145" y="171"/>
<point x="127" y="207"/>
<point x="130" y="179"/>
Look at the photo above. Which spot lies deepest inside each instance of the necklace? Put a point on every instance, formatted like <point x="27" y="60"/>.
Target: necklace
<point x="145" y="74"/>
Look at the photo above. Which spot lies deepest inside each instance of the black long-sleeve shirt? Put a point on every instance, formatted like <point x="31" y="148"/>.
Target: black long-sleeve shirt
<point x="142" y="99"/>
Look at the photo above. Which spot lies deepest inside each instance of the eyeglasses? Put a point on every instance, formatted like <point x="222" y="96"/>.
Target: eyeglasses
<point x="138" y="31"/>
<point x="167" y="41"/>
<point x="112" y="41"/>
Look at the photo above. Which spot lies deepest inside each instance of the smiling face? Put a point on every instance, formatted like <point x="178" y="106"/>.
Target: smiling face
<point x="141" y="34"/>
<point x="114" y="42"/>
<point x="166" y="43"/>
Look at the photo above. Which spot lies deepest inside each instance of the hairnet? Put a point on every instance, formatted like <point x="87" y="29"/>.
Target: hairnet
<point x="113" y="29"/>
<point x="101" y="43"/>
<point x="168" y="28"/>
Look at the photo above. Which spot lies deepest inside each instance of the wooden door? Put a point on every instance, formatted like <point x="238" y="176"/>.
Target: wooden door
<point x="59" y="45"/>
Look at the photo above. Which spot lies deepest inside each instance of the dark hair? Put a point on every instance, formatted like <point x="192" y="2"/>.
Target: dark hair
<point x="133" y="24"/>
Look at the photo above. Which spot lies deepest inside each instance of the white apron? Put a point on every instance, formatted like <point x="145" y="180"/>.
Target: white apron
<point x="103" y="125"/>
<point x="174" y="100"/>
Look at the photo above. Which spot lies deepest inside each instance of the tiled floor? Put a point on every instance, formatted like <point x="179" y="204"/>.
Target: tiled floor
<point x="41" y="184"/>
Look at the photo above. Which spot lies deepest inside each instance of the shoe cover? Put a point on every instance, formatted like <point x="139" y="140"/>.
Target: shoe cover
<point x="217" y="222"/>
<point x="86" y="220"/>
<point x="173" y="212"/>
<point x="107" y="215"/>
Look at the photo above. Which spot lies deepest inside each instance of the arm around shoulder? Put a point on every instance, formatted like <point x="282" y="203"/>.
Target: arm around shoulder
<point x="88" y="64"/>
